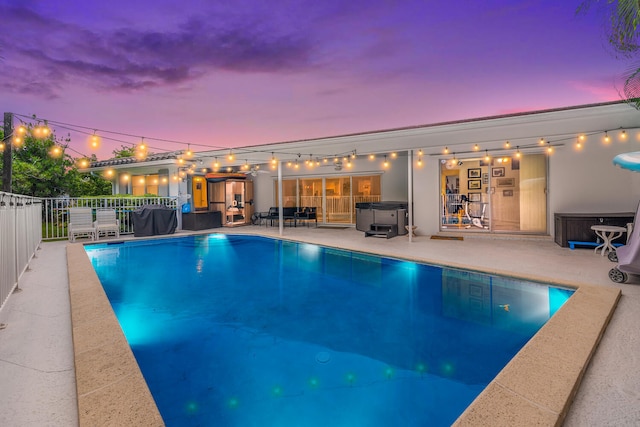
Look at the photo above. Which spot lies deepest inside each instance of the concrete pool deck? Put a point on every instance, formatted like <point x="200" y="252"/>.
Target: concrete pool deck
<point x="37" y="359"/>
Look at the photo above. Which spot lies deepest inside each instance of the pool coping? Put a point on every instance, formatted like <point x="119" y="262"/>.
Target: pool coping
<point x="535" y="388"/>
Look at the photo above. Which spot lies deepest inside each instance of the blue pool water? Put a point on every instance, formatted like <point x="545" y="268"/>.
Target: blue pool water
<point x="249" y="331"/>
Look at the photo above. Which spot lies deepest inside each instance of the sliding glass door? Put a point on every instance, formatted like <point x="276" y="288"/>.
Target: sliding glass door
<point x="504" y="194"/>
<point x="333" y="197"/>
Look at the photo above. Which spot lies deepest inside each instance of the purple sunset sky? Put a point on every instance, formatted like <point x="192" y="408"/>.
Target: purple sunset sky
<point x="248" y="72"/>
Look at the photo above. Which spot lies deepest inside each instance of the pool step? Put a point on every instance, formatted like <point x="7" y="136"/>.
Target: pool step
<point x="382" y="230"/>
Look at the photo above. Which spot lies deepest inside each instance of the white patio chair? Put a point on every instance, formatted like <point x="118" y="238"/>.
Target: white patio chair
<point x="106" y="222"/>
<point x="81" y="224"/>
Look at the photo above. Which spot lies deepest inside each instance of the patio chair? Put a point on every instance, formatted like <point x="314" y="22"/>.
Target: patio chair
<point x="307" y="215"/>
<point x="106" y="222"/>
<point x="81" y="224"/>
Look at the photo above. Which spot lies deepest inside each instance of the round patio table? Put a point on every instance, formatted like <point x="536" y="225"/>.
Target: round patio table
<point x="608" y="233"/>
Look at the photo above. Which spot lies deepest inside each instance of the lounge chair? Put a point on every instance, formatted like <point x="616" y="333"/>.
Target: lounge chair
<point x="106" y="222"/>
<point x="81" y="224"/>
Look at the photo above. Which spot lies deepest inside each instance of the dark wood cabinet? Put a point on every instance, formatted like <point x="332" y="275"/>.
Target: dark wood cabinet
<point x="577" y="226"/>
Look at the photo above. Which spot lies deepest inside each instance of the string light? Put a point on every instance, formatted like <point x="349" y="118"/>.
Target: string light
<point x="541" y="141"/>
<point x="385" y="163"/>
<point x="353" y="155"/>
<point x="476" y="148"/>
<point x="486" y="155"/>
<point x="623" y="134"/>
<point x="507" y="144"/>
<point x="394" y="155"/>
<point x="230" y="157"/>
<point x="446" y="150"/>
<point x="372" y="156"/>
<point x="518" y="152"/>
<point x="216" y="165"/>
<point x="56" y="151"/>
<point x="606" y="137"/>
<point x="549" y="147"/>
<point x="419" y="157"/>
<point x="578" y="143"/>
<point x="189" y="153"/>
<point x="95" y="140"/>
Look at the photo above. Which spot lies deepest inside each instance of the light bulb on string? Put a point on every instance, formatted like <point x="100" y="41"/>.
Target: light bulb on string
<point x="189" y="153"/>
<point x="476" y="147"/>
<point x="517" y="152"/>
<point x="541" y="141"/>
<point x="385" y="163"/>
<point x="394" y="155"/>
<point x="486" y="155"/>
<point x="95" y="140"/>
<point x="273" y="159"/>
<point x="353" y="155"/>
<point x="549" y="147"/>
<point x="606" y="137"/>
<point x="216" y="165"/>
<point x="623" y="134"/>
<point x="507" y="145"/>
<point x="230" y="156"/>
<point x="578" y="143"/>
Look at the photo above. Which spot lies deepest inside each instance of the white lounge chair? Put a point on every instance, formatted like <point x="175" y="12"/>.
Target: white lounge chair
<point x="81" y="224"/>
<point x="106" y="222"/>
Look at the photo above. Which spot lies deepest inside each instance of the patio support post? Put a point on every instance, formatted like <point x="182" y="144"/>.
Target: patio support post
<point x="410" y="193"/>
<point x="6" y="160"/>
<point x="280" y="214"/>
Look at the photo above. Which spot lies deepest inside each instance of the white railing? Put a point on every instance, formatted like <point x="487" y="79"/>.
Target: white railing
<point x="20" y="236"/>
<point x="55" y="211"/>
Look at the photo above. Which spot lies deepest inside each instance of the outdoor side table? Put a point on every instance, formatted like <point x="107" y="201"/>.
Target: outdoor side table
<point x="608" y="233"/>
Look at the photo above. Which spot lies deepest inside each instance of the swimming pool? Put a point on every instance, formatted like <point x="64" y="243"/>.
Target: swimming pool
<point x="243" y="330"/>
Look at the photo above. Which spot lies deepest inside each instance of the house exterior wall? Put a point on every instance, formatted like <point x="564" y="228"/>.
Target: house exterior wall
<point x="578" y="181"/>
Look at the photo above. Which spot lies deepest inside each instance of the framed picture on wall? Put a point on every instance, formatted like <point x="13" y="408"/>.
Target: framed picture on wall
<point x="505" y="182"/>
<point x="474" y="173"/>
<point x="474" y="184"/>
<point x="497" y="172"/>
<point x="475" y="197"/>
<point x="485" y="178"/>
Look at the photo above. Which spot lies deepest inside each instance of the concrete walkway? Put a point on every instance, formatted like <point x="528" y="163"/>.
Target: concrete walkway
<point x="37" y="383"/>
<point x="37" y="380"/>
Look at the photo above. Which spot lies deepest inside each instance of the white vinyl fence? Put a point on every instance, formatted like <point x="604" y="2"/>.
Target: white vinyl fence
<point x="55" y="211"/>
<point x="20" y="236"/>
